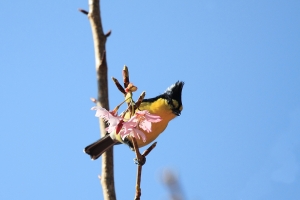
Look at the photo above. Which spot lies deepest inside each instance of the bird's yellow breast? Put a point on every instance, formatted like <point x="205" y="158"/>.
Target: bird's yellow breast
<point x="161" y="108"/>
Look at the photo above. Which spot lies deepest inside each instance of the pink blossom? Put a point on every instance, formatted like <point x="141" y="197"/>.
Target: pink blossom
<point x="130" y="128"/>
<point x="147" y="116"/>
<point x="145" y="119"/>
<point x="137" y="133"/>
<point x="141" y="119"/>
<point x="145" y="125"/>
<point x="112" y="120"/>
<point x="132" y="131"/>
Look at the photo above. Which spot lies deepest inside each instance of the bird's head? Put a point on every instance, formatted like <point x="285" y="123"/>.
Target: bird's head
<point x="173" y="97"/>
<point x="167" y="103"/>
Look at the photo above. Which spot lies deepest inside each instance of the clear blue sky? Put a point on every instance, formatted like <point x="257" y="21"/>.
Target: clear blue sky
<point x="238" y="135"/>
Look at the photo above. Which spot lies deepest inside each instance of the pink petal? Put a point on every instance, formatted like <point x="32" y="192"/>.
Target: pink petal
<point x="100" y="112"/>
<point x="129" y="125"/>
<point x="134" y="118"/>
<point x="139" y="133"/>
<point x="148" y="116"/>
<point x="152" y="118"/>
<point x="142" y="112"/>
<point x="134" y="132"/>
<point x="112" y="120"/>
<point x="145" y="125"/>
<point x="123" y="134"/>
<point x="110" y="129"/>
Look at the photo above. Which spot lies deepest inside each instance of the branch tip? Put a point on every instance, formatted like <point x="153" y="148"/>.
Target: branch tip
<point x="119" y="86"/>
<point x="125" y="74"/>
<point x="108" y="33"/>
<point x="93" y="100"/>
<point x="140" y="99"/>
<point x="147" y="151"/>
<point x="83" y="11"/>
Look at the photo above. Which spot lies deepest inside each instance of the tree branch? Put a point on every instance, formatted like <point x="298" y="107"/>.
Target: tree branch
<point x="140" y="160"/>
<point x="99" y="38"/>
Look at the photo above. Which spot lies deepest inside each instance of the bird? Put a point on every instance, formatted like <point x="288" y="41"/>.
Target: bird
<point x="167" y="105"/>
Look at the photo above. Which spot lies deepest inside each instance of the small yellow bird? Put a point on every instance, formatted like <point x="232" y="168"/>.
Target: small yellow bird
<point x="167" y="105"/>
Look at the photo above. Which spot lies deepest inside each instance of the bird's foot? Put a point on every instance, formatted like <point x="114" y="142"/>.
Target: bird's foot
<point x="140" y="161"/>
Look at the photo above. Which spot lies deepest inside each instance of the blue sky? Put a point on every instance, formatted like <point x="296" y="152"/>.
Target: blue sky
<point x="238" y="135"/>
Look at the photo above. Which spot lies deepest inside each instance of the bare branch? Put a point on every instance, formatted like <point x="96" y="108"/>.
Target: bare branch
<point x="107" y="176"/>
<point x="140" y="160"/>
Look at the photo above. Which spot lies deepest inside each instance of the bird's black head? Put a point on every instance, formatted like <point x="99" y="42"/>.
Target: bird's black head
<point x="174" y="93"/>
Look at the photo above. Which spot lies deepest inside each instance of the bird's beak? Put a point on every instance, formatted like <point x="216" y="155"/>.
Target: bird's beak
<point x="177" y="112"/>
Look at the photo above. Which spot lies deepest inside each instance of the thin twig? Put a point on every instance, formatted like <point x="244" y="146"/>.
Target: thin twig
<point x="138" y="190"/>
<point x="84" y="11"/>
<point x="125" y="74"/>
<point x="108" y="33"/>
<point x="139" y="101"/>
<point x="147" y="151"/>
<point x="140" y="160"/>
<point x="119" y="86"/>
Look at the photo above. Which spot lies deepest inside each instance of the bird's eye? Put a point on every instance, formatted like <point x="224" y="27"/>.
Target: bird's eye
<point x="170" y="102"/>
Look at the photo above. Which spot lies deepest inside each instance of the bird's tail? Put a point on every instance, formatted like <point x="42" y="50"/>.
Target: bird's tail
<point x="96" y="149"/>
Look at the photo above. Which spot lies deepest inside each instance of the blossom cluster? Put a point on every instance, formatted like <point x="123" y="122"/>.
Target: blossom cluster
<point x="140" y="120"/>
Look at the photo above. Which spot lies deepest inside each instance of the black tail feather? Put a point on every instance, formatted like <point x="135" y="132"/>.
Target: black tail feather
<point x="96" y="149"/>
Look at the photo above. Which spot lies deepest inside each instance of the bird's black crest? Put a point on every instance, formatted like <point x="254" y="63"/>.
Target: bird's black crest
<point x="174" y="91"/>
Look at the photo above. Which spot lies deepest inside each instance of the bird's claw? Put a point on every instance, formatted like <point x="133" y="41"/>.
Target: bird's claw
<point x="141" y="161"/>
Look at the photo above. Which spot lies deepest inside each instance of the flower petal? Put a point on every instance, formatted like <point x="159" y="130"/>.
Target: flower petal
<point x="139" y="133"/>
<point x="112" y="120"/>
<point x="100" y="112"/>
<point x="145" y="125"/>
<point x="149" y="117"/>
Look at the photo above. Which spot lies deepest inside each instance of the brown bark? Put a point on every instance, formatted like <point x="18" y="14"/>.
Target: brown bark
<point x="99" y="38"/>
